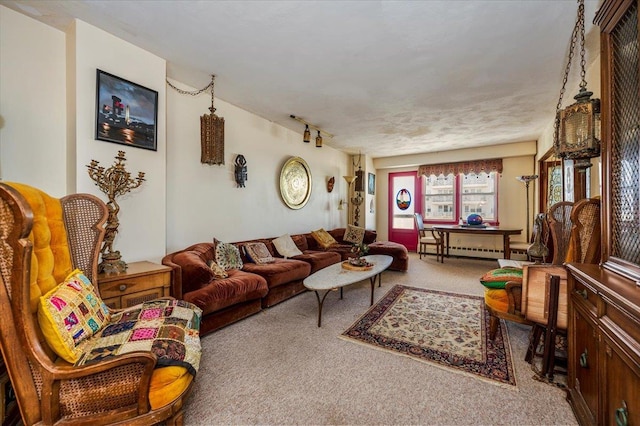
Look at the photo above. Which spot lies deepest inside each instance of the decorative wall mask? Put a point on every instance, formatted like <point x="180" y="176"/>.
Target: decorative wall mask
<point x="241" y="171"/>
<point x="330" y="183"/>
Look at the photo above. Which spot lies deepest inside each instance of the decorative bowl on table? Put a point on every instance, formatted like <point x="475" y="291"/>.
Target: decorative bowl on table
<point x="474" y="219"/>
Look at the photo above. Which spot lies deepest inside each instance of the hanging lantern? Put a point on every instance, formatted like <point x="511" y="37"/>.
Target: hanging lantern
<point x="212" y="135"/>
<point x="577" y="127"/>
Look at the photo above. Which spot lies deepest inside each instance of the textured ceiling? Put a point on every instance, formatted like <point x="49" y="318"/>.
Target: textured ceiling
<point x="385" y="77"/>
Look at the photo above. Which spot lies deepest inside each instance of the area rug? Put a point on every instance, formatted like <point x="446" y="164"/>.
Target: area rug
<point x="444" y="329"/>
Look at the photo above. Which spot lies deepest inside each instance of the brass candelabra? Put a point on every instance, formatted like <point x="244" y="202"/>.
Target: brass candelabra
<point x="114" y="181"/>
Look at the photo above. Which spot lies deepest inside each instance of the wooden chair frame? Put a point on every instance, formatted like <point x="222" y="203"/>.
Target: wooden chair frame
<point x="428" y="237"/>
<point x="50" y="390"/>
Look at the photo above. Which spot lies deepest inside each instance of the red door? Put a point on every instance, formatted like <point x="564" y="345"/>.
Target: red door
<point x="404" y="200"/>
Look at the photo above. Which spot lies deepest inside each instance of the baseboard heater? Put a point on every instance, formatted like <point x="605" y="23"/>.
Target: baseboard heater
<point x="481" y="252"/>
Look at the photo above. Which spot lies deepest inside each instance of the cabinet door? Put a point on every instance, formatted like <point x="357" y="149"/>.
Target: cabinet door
<point x="585" y="380"/>
<point x="621" y="376"/>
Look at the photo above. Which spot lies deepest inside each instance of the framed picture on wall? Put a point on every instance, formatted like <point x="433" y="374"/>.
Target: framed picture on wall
<point x="371" y="188"/>
<point x="126" y="113"/>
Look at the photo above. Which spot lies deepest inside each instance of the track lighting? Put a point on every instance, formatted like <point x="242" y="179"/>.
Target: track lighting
<point x="307" y="132"/>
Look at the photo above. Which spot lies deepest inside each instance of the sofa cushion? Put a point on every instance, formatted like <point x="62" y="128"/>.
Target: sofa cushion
<point x="319" y="259"/>
<point x="281" y="271"/>
<point x="498" y="278"/>
<point x="324" y="239"/>
<point x="258" y="253"/>
<point x="286" y="247"/>
<point x="301" y="242"/>
<point x="238" y="287"/>
<point x="71" y="313"/>
<point x="228" y="256"/>
<point x="354" y="234"/>
<point x="195" y="271"/>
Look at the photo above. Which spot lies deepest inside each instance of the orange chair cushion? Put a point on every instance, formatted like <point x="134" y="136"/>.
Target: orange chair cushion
<point x="51" y="260"/>
<point x="497" y="299"/>
<point x="167" y="384"/>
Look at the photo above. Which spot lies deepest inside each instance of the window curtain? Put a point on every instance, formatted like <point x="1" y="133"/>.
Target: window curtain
<point x="462" y="167"/>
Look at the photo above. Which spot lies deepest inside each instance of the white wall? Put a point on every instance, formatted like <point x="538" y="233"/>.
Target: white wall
<point x="33" y="145"/>
<point x="203" y="200"/>
<point x="141" y="235"/>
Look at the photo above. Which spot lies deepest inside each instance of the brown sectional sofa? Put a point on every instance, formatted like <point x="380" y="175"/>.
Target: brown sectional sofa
<point x="256" y="286"/>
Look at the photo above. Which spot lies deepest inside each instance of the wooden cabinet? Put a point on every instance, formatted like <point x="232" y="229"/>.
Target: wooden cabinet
<point x="141" y="282"/>
<point x="604" y="346"/>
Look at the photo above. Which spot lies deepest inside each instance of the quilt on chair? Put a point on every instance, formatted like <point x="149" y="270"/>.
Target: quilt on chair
<point x="168" y="328"/>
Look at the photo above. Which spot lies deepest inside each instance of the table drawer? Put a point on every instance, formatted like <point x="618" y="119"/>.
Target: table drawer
<point x="134" y="284"/>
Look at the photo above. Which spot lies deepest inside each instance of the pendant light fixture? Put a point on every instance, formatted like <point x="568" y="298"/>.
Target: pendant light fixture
<point x="307" y="134"/>
<point x="319" y="140"/>
<point x="577" y="127"/>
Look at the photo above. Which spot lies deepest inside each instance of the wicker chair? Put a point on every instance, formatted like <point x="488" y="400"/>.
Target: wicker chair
<point x="575" y="233"/>
<point x="50" y="390"/>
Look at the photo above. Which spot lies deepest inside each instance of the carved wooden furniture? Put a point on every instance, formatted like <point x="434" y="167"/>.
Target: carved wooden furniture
<point x="141" y="281"/>
<point x="50" y="390"/>
<point x="586" y="212"/>
<point x="428" y="237"/>
<point x="604" y="309"/>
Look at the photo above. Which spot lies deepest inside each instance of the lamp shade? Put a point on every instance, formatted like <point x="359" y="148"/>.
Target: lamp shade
<point x="578" y="128"/>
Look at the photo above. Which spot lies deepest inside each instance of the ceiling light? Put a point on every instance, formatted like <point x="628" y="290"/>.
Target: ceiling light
<point x="307" y="134"/>
<point x="319" y="140"/>
<point x="577" y="127"/>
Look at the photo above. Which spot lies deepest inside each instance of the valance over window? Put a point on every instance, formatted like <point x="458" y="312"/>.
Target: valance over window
<point x="464" y="167"/>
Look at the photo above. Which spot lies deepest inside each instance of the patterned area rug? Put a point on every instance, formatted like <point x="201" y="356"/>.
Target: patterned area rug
<point x="444" y="329"/>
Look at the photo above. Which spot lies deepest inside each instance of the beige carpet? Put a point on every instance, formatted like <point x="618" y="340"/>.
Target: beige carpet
<point x="278" y="367"/>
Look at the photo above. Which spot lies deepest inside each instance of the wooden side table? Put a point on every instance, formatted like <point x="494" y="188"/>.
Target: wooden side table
<point x="141" y="281"/>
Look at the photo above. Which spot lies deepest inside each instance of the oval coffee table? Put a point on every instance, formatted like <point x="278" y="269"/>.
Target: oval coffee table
<point x="336" y="277"/>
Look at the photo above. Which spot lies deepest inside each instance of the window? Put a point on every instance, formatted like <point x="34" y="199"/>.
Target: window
<point x="447" y="198"/>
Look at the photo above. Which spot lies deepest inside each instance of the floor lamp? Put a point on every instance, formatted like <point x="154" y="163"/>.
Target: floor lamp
<point x="350" y="180"/>
<point x="527" y="180"/>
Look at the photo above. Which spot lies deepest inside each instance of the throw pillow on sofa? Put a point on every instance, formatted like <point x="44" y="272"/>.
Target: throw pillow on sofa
<point x="286" y="247"/>
<point x="71" y="313"/>
<point x="324" y="239"/>
<point x="227" y="256"/>
<point x="354" y="235"/>
<point x="218" y="272"/>
<point x="258" y="253"/>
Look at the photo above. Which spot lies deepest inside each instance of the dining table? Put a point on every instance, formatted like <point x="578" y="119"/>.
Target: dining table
<point x="446" y="230"/>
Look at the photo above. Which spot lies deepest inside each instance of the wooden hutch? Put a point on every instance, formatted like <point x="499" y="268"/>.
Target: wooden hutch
<point x="604" y="308"/>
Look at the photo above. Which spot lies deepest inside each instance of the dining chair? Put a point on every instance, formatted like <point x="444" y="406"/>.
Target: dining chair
<point x="429" y="237"/>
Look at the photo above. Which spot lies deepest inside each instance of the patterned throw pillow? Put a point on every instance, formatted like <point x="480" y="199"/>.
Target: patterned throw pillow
<point x="354" y="234"/>
<point x="498" y="278"/>
<point x="258" y="253"/>
<point x="285" y="246"/>
<point x="228" y="256"/>
<point x="71" y="313"/>
<point x="218" y="272"/>
<point x="324" y="239"/>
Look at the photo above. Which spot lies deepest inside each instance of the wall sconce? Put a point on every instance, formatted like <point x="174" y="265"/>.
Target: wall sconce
<point x="341" y="205"/>
<point x="577" y="127"/>
<point x="307" y="133"/>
